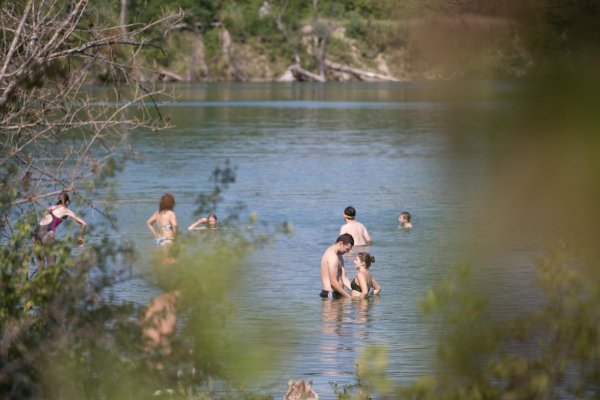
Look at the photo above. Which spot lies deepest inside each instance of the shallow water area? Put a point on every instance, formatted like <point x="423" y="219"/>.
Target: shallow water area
<point x="302" y="153"/>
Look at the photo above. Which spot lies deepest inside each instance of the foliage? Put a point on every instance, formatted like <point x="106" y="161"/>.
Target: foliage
<point x="511" y="39"/>
<point x="56" y="135"/>
<point x="66" y="336"/>
<point x="542" y="195"/>
<point x="63" y="332"/>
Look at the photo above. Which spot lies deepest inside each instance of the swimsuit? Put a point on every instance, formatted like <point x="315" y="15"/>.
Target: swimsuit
<point x="40" y="231"/>
<point x="355" y="286"/>
<point x="325" y="294"/>
<point x="168" y="226"/>
<point x="162" y="241"/>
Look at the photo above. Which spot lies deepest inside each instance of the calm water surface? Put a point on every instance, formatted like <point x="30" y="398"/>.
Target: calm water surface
<point x="303" y="153"/>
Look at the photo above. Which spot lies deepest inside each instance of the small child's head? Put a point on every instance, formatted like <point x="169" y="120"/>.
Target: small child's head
<point x="404" y="217"/>
<point x="349" y="212"/>
<point x="167" y="202"/>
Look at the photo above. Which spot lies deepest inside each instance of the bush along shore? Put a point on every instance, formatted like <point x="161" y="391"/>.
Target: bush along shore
<point x="362" y="40"/>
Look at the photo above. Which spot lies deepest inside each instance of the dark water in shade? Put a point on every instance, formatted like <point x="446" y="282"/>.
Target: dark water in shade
<point x="305" y="152"/>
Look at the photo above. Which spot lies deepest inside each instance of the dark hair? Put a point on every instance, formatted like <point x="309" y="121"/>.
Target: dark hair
<point x="345" y="238"/>
<point x="167" y="202"/>
<point x="213" y="216"/>
<point x="350" y="212"/>
<point x="63" y="199"/>
<point x="406" y="214"/>
<point x="367" y="258"/>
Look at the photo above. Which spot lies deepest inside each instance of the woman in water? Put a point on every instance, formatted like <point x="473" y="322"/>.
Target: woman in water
<point x="44" y="232"/>
<point x="364" y="281"/>
<point x="165" y="220"/>
<point x="210" y="221"/>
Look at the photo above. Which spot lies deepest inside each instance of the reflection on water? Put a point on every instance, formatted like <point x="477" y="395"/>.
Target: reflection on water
<point x="332" y="317"/>
<point x="346" y="326"/>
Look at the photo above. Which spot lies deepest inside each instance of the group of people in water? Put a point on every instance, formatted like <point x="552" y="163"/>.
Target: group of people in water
<point x="159" y="320"/>
<point x="353" y="234"/>
<point x="163" y="225"/>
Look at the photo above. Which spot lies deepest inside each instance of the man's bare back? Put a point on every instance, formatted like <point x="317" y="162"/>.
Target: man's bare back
<point x="358" y="231"/>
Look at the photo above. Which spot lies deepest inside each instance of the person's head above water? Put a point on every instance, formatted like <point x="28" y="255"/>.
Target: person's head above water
<point x="211" y="220"/>
<point x="404" y="216"/>
<point x="404" y="219"/>
<point x="167" y="202"/>
<point x="349" y="212"/>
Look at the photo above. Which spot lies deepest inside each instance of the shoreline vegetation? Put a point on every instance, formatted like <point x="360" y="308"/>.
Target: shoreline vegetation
<point x="362" y="40"/>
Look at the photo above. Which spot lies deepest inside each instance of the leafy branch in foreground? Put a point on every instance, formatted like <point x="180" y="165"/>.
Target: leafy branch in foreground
<point x="66" y="334"/>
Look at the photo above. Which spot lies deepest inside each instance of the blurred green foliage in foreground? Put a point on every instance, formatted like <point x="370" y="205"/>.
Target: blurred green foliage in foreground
<point x="541" y="197"/>
<point x="65" y="334"/>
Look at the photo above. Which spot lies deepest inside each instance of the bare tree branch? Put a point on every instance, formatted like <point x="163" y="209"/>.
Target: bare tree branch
<point x="55" y="133"/>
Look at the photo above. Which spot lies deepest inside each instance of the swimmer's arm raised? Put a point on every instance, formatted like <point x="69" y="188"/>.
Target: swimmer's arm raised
<point x="193" y="226"/>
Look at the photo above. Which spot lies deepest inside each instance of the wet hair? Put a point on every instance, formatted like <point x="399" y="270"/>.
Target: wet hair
<point x="345" y="238"/>
<point x="167" y="202"/>
<point x="350" y="212"/>
<point x="366" y="258"/>
<point x="406" y="214"/>
<point x="212" y="216"/>
<point x="63" y="199"/>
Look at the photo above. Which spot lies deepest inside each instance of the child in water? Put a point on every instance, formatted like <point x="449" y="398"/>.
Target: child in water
<point x="404" y="220"/>
<point x="210" y="221"/>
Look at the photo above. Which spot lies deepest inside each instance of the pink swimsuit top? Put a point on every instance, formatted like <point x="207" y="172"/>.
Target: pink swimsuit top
<point x="55" y="220"/>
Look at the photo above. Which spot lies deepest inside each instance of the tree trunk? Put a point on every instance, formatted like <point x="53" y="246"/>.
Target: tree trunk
<point x="232" y="68"/>
<point x="123" y="18"/>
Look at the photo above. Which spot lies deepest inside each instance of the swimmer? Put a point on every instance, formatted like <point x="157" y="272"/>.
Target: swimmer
<point x="364" y="281"/>
<point x="333" y="274"/>
<point x="404" y="220"/>
<point x="44" y="232"/>
<point x="165" y="220"/>
<point x="356" y="229"/>
<point x="210" y="221"/>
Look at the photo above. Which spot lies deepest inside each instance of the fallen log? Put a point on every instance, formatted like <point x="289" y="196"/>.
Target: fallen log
<point x="301" y="74"/>
<point x="359" y="73"/>
<point x="168" y="76"/>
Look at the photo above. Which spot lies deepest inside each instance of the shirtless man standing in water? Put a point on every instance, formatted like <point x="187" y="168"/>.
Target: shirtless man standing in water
<point x="333" y="275"/>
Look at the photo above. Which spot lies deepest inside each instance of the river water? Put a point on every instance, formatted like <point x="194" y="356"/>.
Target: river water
<point x="303" y="152"/>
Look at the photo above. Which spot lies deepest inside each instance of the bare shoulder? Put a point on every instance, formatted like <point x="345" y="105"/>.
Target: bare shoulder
<point x="331" y="257"/>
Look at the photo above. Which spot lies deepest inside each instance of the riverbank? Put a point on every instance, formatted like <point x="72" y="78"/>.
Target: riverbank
<point x="435" y="48"/>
